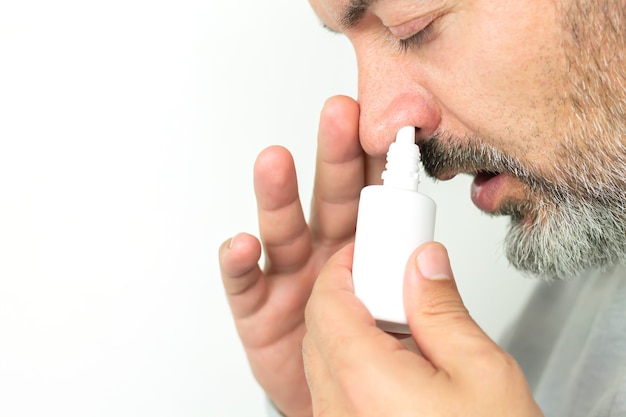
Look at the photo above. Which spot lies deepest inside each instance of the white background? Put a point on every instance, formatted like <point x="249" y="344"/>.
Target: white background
<point x="128" y="130"/>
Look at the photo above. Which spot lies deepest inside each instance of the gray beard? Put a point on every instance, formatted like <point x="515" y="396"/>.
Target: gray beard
<point x="582" y="225"/>
<point x="566" y="239"/>
<point x="564" y="227"/>
<point x="574" y="220"/>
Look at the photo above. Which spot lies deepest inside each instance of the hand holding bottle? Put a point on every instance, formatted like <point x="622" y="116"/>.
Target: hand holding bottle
<point x="268" y="304"/>
<point x="355" y="369"/>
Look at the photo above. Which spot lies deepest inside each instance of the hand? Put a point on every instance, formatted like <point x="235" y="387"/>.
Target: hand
<point x="268" y="305"/>
<point x="355" y="369"/>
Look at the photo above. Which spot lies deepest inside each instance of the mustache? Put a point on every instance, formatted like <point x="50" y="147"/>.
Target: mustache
<point x="445" y="155"/>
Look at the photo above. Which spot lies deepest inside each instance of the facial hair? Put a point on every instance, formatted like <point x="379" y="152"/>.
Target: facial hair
<point x="560" y="229"/>
<point x="573" y="218"/>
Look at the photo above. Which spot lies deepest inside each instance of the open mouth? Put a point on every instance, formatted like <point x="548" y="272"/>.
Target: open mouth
<point x="487" y="190"/>
<point x="482" y="177"/>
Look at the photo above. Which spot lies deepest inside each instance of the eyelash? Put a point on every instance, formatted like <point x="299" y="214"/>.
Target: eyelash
<point x="417" y="40"/>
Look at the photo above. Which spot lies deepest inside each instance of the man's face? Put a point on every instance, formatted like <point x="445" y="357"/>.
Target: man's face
<point x="528" y="96"/>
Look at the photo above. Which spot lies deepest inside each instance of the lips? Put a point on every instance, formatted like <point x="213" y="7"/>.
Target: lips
<point x="494" y="182"/>
<point x="487" y="190"/>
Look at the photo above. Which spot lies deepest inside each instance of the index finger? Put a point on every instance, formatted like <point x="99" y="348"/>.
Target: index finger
<point x="339" y="174"/>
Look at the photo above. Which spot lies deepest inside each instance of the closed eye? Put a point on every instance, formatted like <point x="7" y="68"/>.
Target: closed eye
<point x="418" y="39"/>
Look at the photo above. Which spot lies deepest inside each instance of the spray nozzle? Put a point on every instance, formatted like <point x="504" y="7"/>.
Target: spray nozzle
<point x="403" y="161"/>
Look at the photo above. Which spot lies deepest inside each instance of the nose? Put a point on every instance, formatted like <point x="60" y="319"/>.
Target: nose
<point x="393" y="94"/>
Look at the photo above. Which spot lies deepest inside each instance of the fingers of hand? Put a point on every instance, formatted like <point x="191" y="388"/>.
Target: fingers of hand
<point x="241" y="275"/>
<point x="333" y="309"/>
<point x="439" y="321"/>
<point x="355" y="369"/>
<point x="352" y="367"/>
<point x="339" y="174"/>
<point x="454" y="343"/>
<point x="374" y="167"/>
<point x="342" y="329"/>
<point x="283" y="229"/>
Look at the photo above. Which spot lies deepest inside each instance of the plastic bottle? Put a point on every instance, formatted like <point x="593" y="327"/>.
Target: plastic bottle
<point x="393" y="220"/>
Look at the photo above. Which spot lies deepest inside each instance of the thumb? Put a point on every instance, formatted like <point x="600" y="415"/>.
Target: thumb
<point x="439" y="322"/>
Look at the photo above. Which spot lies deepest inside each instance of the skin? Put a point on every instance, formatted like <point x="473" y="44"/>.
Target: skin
<point x="486" y="63"/>
<point x="354" y="369"/>
<point x="490" y="72"/>
<point x="268" y="304"/>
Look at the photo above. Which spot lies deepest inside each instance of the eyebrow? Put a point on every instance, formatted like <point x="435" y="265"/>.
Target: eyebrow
<point x="353" y="13"/>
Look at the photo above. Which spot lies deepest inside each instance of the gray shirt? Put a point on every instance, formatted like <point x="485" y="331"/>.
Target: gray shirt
<point x="571" y="342"/>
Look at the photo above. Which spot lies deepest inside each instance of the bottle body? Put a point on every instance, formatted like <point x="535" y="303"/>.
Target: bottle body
<point x="391" y="224"/>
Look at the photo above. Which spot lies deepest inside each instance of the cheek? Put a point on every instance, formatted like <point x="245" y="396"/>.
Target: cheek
<point x="505" y="90"/>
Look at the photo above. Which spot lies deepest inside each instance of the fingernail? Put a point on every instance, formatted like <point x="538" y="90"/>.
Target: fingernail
<point x="433" y="263"/>
<point x="231" y="241"/>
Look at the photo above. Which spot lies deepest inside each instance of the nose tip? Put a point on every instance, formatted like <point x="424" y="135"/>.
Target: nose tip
<point x="378" y="129"/>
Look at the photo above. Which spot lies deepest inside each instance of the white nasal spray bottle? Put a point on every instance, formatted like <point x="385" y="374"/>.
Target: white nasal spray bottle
<point x="393" y="220"/>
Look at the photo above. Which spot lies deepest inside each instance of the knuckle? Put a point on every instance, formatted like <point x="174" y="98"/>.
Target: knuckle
<point x="444" y="307"/>
<point x="493" y="365"/>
